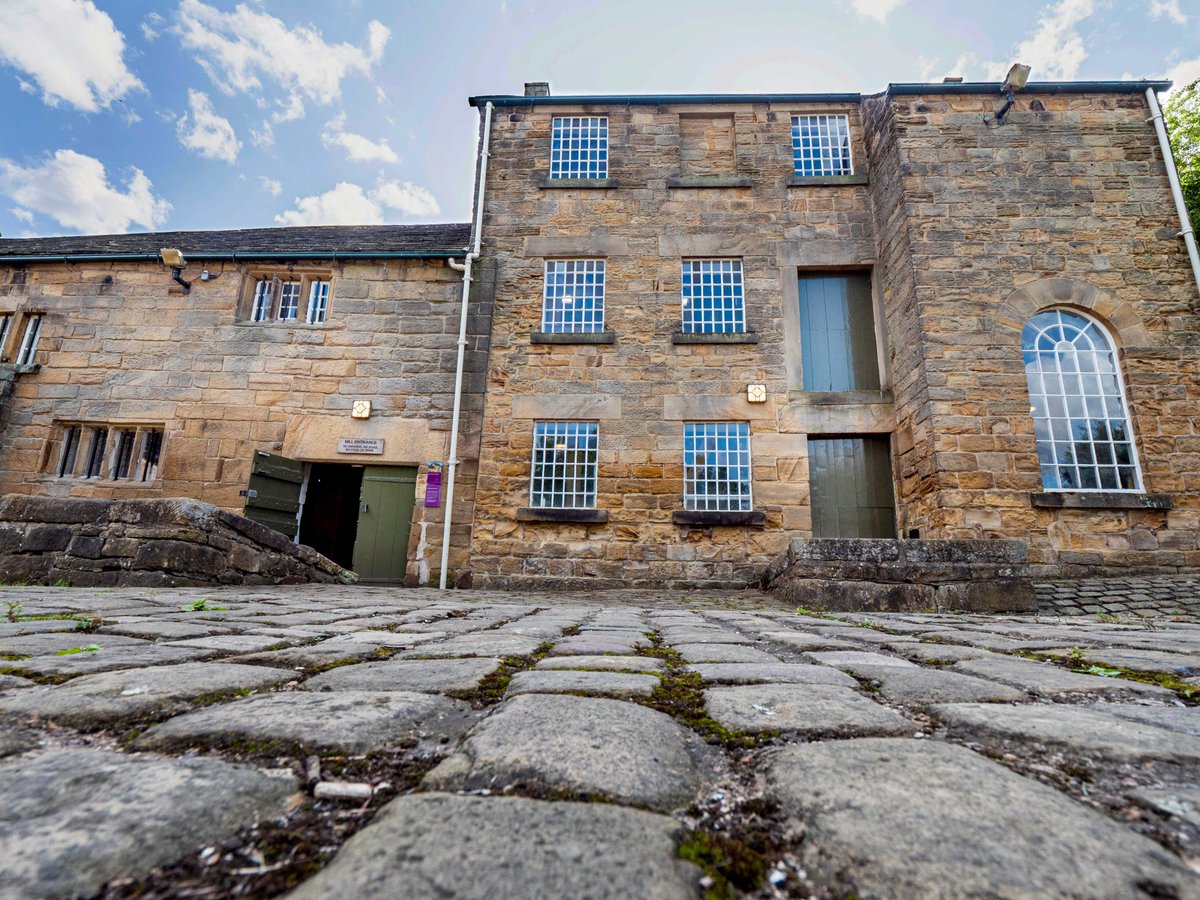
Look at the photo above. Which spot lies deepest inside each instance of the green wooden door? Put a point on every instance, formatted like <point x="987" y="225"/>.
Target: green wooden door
<point x="850" y="482"/>
<point x="273" y="492"/>
<point x="837" y="333"/>
<point x="385" y="515"/>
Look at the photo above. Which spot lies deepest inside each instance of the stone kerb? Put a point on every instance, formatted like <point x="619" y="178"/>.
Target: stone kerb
<point x="904" y="575"/>
<point x="156" y="542"/>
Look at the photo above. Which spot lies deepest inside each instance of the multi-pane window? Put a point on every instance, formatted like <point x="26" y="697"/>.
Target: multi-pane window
<point x="287" y="297"/>
<point x="573" y="296"/>
<point x="564" y="465"/>
<point x="821" y="145"/>
<point x="118" y="452"/>
<point x="318" y="302"/>
<point x="713" y="296"/>
<point x="5" y="327"/>
<point x="1080" y="419"/>
<point x="716" y="466"/>
<point x="289" y="300"/>
<point x="579" y="147"/>
<point x="837" y="333"/>
<point x="29" y="341"/>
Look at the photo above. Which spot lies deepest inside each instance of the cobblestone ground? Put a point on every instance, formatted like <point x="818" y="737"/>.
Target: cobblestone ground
<point x="368" y="742"/>
<point x="1173" y="595"/>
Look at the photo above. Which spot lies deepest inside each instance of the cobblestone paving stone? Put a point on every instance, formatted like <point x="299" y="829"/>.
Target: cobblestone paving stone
<point x="378" y="742"/>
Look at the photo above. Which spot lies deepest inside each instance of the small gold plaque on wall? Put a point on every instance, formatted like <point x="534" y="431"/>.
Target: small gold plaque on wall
<point x="361" y="409"/>
<point x="756" y="393"/>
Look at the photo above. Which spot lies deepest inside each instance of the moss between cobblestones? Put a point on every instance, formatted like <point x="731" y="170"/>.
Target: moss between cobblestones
<point x="1079" y="663"/>
<point x="491" y="688"/>
<point x="726" y="861"/>
<point x="680" y="694"/>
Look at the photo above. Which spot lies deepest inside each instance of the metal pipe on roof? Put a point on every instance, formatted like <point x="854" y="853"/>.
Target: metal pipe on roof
<point x="1164" y="142"/>
<point x="465" y="268"/>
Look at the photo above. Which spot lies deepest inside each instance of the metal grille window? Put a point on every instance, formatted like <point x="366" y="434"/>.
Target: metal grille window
<point x="564" y="465"/>
<point x="261" y="309"/>
<point x="573" y="296"/>
<point x="318" y="302"/>
<point x="5" y="326"/>
<point x="821" y="145"/>
<point x="716" y="466"/>
<point x="33" y="331"/>
<point x="70" y="450"/>
<point x="95" y="459"/>
<point x="124" y="453"/>
<point x="1080" y="418"/>
<point x="579" y="147"/>
<point x="289" y="300"/>
<point x="151" y="451"/>
<point x="713" y="296"/>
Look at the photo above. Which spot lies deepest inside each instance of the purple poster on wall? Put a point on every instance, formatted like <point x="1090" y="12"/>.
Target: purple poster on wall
<point x="433" y="489"/>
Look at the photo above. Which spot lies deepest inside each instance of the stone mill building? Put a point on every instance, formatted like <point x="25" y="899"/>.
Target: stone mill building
<point x="699" y="327"/>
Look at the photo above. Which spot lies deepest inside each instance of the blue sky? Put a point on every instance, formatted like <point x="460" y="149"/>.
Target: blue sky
<point x="130" y="115"/>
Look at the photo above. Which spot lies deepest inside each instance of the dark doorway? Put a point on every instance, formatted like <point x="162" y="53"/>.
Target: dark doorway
<point x="850" y="483"/>
<point x="329" y="522"/>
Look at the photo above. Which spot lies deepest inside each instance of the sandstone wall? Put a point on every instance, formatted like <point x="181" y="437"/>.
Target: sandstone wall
<point x="643" y="387"/>
<point x="122" y="345"/>
<point x="130" y="543"/>
<point x="1070" y="207"/>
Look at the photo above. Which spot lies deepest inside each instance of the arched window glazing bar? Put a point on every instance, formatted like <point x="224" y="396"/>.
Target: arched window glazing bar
<point x="1080" y="415"/>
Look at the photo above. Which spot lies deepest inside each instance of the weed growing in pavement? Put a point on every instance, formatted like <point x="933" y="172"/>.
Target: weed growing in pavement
<point x="491" y="688"/>
<point x="202" y="606"/>
<point x="62" y="582"/>
<point x="71" y="651"/>
<point x="13" y="610"/>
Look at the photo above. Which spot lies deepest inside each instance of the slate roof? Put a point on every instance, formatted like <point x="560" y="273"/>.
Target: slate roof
<point x="311" y="241"/>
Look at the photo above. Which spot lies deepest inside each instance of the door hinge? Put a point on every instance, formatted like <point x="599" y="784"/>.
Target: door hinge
<point x="249" y="495"/>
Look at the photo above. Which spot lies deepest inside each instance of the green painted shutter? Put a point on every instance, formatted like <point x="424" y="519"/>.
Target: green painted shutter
<point x="273" y="492"/>
<point x="837" y="333"/>
<point x="384" y="520"/>
<point x="850" y="483"/>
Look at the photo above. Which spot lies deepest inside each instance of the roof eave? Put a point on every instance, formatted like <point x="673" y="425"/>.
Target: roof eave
<point x="658" y="99"/>
<point x="1034" y="87"/>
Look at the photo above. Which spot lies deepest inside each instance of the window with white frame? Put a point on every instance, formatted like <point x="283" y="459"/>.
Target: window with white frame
<point x="318" y="302"/>
<point x="286" y="298"/>
<point x="6" y="320"/>
<point x="579" y="147"/>
<point x="821" y="145"/>
<point x="1080" y="417"/>
<point x="29" y="341"/>
<point x="573" y="296"/>
<point x="713" y="296"/>
<point x="716" y="466"/>
<point x="564" y="465"/>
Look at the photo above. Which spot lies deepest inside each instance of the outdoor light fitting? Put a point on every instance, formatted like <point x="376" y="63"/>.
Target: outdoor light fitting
<point x="174" y="258"/>
<point x="1017" y="77"/>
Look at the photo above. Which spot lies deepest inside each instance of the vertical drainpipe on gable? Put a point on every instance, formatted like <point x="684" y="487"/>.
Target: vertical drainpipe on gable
<point x="1188" y="235"/>
<point x="465" y="268"/>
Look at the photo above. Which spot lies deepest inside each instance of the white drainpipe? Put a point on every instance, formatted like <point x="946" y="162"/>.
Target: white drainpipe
<point x="465" y="268"/>
<point x="1188" y="235"/>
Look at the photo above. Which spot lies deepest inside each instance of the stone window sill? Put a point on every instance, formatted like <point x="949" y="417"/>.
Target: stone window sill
<point x="585" y="183"/>
<point x="1099" y="500"/>
<point x="591" y="337"/>
<point x="709" y="517"/>
<point x="710" y="181"/>
<point x="841" y="398"/>
<point x="824" y="180"/>
<point x="715" y="337"/>
<point x="21" y="368"/>
<point x="580" y="516"/>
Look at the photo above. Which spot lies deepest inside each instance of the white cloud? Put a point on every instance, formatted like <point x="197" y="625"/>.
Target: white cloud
<point x="23" y="214"/>
<point x="74" y="190"/>
<point x="237" y="49"/>
<point x="272" y="186"/>
<point x="1055" y="51"/>
<point x="263" y="137"/>
<point x="289" y="110"/>
<point x="349" y="204"/>
<point x="878" y="10"/>
<point x="1184" y="73"/>
<point x="152" y="26"/>
<point x="1168" y="8"/>
<point x="70" y="48"/>
<point x="357" y="147"/>
<point x="202" y="130"/>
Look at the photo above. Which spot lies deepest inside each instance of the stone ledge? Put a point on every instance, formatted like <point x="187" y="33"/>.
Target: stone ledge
<point x="705" y="518"/>
<point x="825" y="180"/>
<point x="579" y="516"/>
<point x="841" y="398"/>
<point x="710" y="181"/>
<point x="1099" y="500"/>
<point x="715" y="337"/>
<point x="591" y="337"/>
<point x="585" y="183"/>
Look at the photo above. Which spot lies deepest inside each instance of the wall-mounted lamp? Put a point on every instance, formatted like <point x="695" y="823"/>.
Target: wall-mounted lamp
<point x="174" y="258"/>
<point x="1017" y="77"/>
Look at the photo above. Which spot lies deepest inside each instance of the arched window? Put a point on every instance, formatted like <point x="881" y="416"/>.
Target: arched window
<point x="1080" y="417"/>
